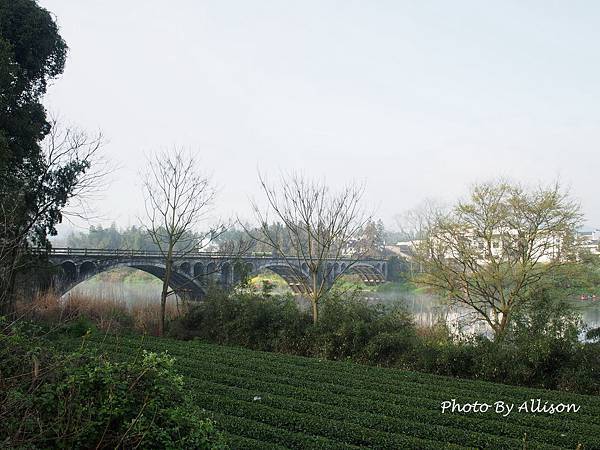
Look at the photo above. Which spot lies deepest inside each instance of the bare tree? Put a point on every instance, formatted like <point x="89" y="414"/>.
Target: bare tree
<point x="490" y="251"/>
<point x="69" y="172"/>
<point x="414" y="223"/>
<point x="66" y="145"/>
<point x="178" y="197"/>
<point x="320" y="227"/>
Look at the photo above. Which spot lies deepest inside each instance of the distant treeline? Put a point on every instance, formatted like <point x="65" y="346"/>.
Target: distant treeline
<point x="134" y="237"/>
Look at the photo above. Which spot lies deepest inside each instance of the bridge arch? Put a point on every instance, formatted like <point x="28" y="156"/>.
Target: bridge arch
<point x="211" y="269"/>
<point x="226" y="273"/>
<point x="294" y="277"/>
<point x="69" y="269"/>
<point x="369" y="273"/>
<point x="186" y="268"/>
<point x="181" y="282"/>
<point x="86" y="268"/>
<point x="198" y="269"/>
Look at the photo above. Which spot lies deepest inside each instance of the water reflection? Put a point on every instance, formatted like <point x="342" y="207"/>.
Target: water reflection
<point x="590" y="314"/>
<point x="139" y="293"/>
<point x="427" y="310"/>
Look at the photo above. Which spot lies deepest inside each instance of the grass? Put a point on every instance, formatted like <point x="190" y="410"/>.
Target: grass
<point x="265" y="400"/>
<point x="105" y="313"/>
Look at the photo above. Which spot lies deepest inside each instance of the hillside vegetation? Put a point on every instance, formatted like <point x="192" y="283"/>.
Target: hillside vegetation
<point x="265" y="400"/>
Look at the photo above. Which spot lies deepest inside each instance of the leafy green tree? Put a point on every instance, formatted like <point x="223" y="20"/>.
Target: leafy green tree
<point x="490" y="252"/>
<point x="36" y="181"/>
<point x="130" y="238"/>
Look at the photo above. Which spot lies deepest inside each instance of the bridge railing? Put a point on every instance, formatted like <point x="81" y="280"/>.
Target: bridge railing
<point x="124" y="253"/>
<point x="60" y="251"/>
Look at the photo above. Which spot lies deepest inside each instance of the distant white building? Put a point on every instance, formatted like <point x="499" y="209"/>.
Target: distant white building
<point x="404" y="249"/>
<point x="590" y="240"/>
<point x="550" y="245"/>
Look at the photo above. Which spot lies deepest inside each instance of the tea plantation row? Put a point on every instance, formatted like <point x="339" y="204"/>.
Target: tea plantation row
<point x="265" y="400"/>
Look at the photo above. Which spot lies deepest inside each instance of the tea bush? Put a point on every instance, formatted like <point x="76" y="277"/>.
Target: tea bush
<point x="268" y="400"/>
<point x="541" y="349"/>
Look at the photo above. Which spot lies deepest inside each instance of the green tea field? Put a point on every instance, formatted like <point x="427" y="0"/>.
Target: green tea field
<point x="264" y="400"/>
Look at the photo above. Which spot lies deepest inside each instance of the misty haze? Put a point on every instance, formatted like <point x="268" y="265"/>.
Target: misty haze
<point x="241" y="224"/>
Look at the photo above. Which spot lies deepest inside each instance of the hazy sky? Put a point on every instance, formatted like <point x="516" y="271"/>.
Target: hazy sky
<point x="419" y="99"/>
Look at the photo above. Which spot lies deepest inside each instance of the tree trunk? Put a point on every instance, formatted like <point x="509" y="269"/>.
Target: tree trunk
<point x="163" y="307"/>
<point x="164" y="293"/>
<point x="500" y="331"/>
<point x="7" y="284"/>
<point x="6" y="303"/>
<point x="313" y="296"/>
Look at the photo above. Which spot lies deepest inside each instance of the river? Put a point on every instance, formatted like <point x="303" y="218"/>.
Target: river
<point x="426" y="309"/>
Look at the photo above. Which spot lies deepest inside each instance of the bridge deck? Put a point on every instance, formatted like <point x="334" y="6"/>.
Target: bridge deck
<point x="99" y="252"/>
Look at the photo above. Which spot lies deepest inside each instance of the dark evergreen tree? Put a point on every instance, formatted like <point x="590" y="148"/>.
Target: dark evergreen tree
<point x="34" y="186"/>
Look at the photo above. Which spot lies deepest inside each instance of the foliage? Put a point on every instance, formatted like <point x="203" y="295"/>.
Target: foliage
<point x="491" y="250"/>
<point x="344" y="327"/>
<point x="264" y="399"/>
<point x="134" y="238"/>
<point x="593" y="334"/>
<point x="574" y="278"/>
<point x="540" y="349"/>
<point x="261" y="321"/>
<point x="31" y="53"/>
<point x="36" y="181"/>
<point x="270" y="283"/>
<point x="544" y="339"/>
<point x="371" y="239"/>
<point x="131" y="238"/>
<point x="398" y="269"/>
<point x="350" y="328"/>
<point x="583" y="373"/>
<point x="254" y="320"/>
<point x="82" y="400"/>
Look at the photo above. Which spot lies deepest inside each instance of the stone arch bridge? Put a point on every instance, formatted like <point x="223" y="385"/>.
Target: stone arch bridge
<point x="193" y="271"/>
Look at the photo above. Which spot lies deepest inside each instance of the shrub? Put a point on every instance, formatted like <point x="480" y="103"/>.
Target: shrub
<point x="593" y="334"/>
<point x="78" y="327"/>
<point x="250" y="319"/>
<point x="343" y="328"/>
<point x="81" y="400"/>
<point x="351" y="328"/>
<point x="389" y="349"/>
<point x="584" y="373"/>
<point x="541" y="349"/>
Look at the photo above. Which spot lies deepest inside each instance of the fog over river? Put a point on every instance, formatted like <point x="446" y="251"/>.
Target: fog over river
<point x="426" y="309"/>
